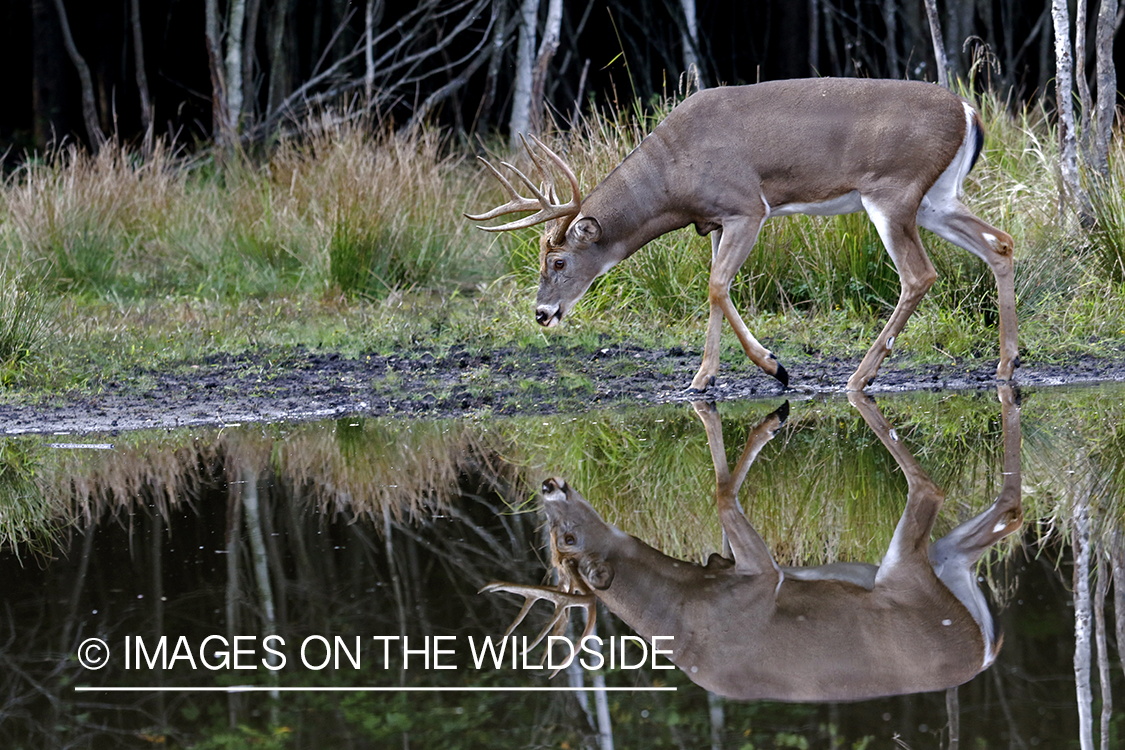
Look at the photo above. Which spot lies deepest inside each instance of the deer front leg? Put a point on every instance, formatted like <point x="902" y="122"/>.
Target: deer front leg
<point x="741" y="541"/>
<point x="730" y="247"/>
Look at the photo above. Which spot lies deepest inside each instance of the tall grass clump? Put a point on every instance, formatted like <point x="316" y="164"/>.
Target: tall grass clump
<point x="26" y="316"/>
<point x="382" y="208"/>
<point x="339" y="203"/>
<point x="93" y="222"/>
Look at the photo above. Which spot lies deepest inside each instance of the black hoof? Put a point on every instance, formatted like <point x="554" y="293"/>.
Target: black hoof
<point x="782" y="376"/>
<point x="782" y="413"/>
<point x="701" y="391"/>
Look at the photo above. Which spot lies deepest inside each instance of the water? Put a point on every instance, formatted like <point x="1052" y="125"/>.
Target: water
<point x="352" y="551"/>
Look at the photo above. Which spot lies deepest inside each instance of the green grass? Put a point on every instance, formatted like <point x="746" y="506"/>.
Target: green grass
<point x="347" y="236"/>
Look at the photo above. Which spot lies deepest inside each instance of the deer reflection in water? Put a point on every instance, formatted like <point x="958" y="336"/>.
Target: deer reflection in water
<point x="746" y="628"/>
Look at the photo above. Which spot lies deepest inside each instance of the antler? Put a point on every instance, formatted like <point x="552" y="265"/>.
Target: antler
<point x="563" y="601"/>
<point x="548" y="209"/>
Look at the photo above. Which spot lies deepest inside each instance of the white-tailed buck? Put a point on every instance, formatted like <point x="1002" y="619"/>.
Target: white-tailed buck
<point x="746" y="628"/>
<point x="726" y="159"/>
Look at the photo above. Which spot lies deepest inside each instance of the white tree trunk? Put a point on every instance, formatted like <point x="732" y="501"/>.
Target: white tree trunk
<point x="525" y="49"/>
<point x="690" y="36"/>
<point x="1107" y="84"/>
<point x="235" y="20"/>
<point x="1080" y="540"/>
<point x="939" y="45"/>
<point x="1064" y="84"/>
<point x="547" y="48"/>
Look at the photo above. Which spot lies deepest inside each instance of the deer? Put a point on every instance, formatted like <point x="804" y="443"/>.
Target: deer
<point x="746" y="628"/>
<point x="727" y="159"/>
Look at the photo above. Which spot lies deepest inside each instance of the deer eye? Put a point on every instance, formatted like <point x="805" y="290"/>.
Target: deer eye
<point x="559" y="264"/>
<point x="569" y="540"/>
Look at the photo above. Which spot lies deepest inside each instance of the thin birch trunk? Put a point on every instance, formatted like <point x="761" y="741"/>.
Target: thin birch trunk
<point x="214" y="62"/>
<point x="814" y="37"/>
<point x="1104" y="687"/>
<point x="547" y="48"/>
<point x="249" y="55"/>
<point x="279" y="60"/>
<point x="953" y="712"/>
<point x="89" y="106"/>
<point x="520" y="120"/>
<point x="1080" y="78"/>
<point x="1080" y="535"/>
<point x="1107" y="84"/>
<point x="234" y="591"/>
<point x="939" y="46"/>
<point x="236" y="17"/>
<point x="890" y="21"/>
<point x="689" y="35"/>
<point x="1064" y="84"/>
<point x="718" y="720"/>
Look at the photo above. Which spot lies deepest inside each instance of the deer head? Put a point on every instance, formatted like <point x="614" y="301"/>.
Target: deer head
<point x="566" y="265"/>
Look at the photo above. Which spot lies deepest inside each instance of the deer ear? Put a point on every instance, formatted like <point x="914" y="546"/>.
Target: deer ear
<point x="596" y="572"/>
<point x="586" y="231"/>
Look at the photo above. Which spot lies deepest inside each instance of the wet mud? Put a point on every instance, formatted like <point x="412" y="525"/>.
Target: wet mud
<point x="299" y="384"/>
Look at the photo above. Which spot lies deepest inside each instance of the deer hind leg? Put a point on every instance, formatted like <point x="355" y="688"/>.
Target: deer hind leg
<point x="730" y="246"/>
<point x="908" y="550"/>
<point x="899" y="233"/>
<point x="950" y="220"/>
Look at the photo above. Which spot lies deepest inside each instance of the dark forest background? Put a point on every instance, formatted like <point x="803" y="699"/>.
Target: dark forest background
<point x="455" y="60"/>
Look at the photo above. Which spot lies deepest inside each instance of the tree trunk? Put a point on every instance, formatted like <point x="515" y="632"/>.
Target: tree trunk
<point x="236" y="17"/>
<point x="814" y="37"/>
<point x="690" y="38"/>
<point x="1107" y="85"/>
<point x="1080" y="536"/>
<point x="499" y="40"/>
<point x="939" y="46"/>
<point x="279" y="58"/>
<point x="1064" y="84"/>
<point x="142" y="78"/>
<point x="89" y="106"/>
<point x="1104" y="687"/>
<point x="215" y="65"/>
<point x="1080" y="76"/>
<point x="249" y="57"/>
<point x="890" y="22"/>
<point x="547" y="48"/>
<point x="520" y="120"/>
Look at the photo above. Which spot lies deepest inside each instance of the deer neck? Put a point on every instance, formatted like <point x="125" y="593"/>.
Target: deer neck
<point x="635" y="203"/>
<point x="649" y="588"/>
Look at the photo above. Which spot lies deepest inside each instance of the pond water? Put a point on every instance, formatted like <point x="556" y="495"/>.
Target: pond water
<point x="315" y="584"/>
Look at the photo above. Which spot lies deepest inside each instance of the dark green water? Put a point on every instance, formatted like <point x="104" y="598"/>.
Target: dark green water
<point x="322" y="536"/>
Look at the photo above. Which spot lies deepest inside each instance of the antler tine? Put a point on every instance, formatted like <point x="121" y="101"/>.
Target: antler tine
<point x="560" y="597"/>
<point x="548" y="208"/>
<point x="575" y="191"/>
<point x="517" y="202"/>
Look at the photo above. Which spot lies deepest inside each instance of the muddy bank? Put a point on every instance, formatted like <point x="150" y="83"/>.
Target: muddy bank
<point x="298" y="384"/>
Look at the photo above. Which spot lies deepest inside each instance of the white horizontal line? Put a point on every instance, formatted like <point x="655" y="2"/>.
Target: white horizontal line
<point x="263" y="689"/>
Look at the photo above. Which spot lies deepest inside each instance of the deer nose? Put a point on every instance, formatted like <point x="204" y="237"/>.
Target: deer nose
<point x="545" y="315"/>
<point x="554" y="484"/>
